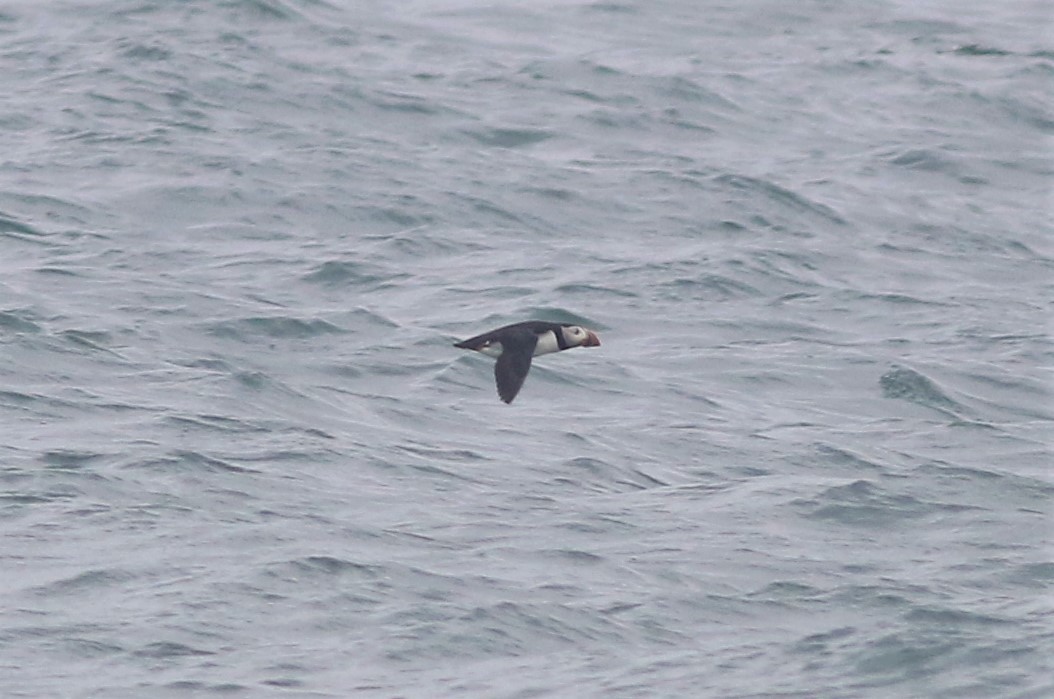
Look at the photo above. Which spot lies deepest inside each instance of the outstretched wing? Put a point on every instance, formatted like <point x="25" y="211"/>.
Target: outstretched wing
<point x="515" y="361"/>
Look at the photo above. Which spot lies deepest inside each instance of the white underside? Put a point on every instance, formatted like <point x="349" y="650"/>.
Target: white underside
<point x="547" y="344"/>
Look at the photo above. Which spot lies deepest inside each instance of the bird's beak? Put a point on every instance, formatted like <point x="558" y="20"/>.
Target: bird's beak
<point x="591" y="339"/>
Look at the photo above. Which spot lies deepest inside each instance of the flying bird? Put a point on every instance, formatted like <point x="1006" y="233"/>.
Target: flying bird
<point x="515" y="345"/>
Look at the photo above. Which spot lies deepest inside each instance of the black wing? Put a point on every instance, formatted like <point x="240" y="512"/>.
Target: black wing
<point x="512" y="366"/>
<point x="535" y="326"/>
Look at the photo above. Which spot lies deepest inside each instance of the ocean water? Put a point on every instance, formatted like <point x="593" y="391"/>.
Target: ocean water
<point x="240" y="457"/>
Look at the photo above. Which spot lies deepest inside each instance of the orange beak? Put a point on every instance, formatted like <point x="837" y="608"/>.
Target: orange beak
<point x="591" y="339"/>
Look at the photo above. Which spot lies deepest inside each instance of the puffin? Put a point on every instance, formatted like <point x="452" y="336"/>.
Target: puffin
<point x="515" y="345"/>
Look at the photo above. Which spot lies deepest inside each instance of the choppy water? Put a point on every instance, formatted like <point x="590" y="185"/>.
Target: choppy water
<point x="241" y="458"/>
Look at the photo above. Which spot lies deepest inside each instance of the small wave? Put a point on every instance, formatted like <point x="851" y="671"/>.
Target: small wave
<point x="70" y="459"/>
<point x="979" y="50"/>
<point x="330" y="565"/>
<point x="924" y="159"/>
<point x="509" y="138"/>
<point x="169" y="649"/>
<point x="282" y="327"/>
<point x="210" y="463"/>
<point x="347" y="273"/>
<point x="907" y="384"/>
<point x="862" y="503"/>
<point x="10" y="224"/>
<point x="88" y="580"/>
<point x="18" y="321"/>
<point x="781" y="196"/>
<point x="215" y="422"/>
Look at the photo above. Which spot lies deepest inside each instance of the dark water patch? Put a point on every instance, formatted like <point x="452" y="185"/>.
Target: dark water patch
<point x="988" y="480"/>
<point x="820" y="643"/>
<point x="902" y="300"/>
<point x="385" y="367"/>
<point x="509" y="138"/>
<point x="863" y="504"/>
<point x="675" y="118"/>
<point x="773" y="332"/>
<point x="685" y="89"/>
<point x="496" y="291"/>
<point x="1037" y="576"/>
<point x="594" y="290"/>
<point x="979" y="50"/>
<point x="70" y="459"/>
<point x="431" y="452"/>
<point x="136" y="51"/>
<point x="18" y="321"/>
<point x="439" y="474"/>
<point x="330" y="566"/>
<point x="904" y="655"/>
<point x="885" y="598"/>
<point x="40" y="241"/>
<point x="161" y="650"/>
<point x="511" y="628"/>
<point x="786" y="591"/>
<point x="96" y="138"/>
<point x="551" y="314"/>
<point x="1033" y="115"/>
<point x="575" y="557"/>
<point x="778" y="266"/>
<point x="926" y="160"/>
<point x="596" y="526"/>
<point x="616" y="8"/>
<point x="500" y="213"/>
<point x="706" y="287"/>
<point x="418" y="243"/>
<point x="785" y="198"/>
<point x="219" y="423"/>
<point x="255" y="380"/>
<point x="222" y="688"/>
<point x="932" y="617"/>
<point x="404" y="103"/>
<point x="10" y="224"/>
<point x="91" y="648"/>
<point x="277" y="327"/>
<point x="22" y="498"/>
<point x="84" y="582"/>
<point x="616" y="120"/>
<point x="349" y="273"/>
<point x="210" y="363"/>
<point x="601" y="476"/>
<point x="56" y="211"/>
<point x="902" y="383"/>
<point x="49" y="270"/>
<point x="209" y="463"/>
<point x="405" y="213"/>
<point x="553" y="193"/>
<point x="844" y="457"/>
<point x="581" y="78"/>
<point x="733" y="226"/>
<point x="90" y="339"/>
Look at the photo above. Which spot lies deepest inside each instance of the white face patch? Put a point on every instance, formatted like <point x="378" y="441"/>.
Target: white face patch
<point x="574" y="335"/>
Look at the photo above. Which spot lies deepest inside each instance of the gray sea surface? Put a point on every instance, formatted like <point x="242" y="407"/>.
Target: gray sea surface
<point x="240" y="457"/>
